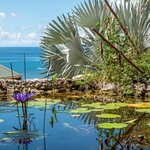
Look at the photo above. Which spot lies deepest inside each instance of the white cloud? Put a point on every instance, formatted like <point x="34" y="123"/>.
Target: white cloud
<point x="31" y="36"/>
<point x="2" y="15"/>
<point x="7" y="35"/>
<point x="14" y="15"/>
<point x="18" y="39"/>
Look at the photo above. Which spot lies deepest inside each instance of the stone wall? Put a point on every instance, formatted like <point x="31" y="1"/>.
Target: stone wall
<point x="64" y="85"/>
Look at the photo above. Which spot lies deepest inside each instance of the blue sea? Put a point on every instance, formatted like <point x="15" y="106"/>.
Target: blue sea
<point x="16" y="56"/>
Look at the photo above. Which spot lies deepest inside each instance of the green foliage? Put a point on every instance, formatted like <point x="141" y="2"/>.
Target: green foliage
<point x="108" y="116"/>
<point x="54" y="78"/>
<point x="135" y="15"/>
<point x="112" y="125"/>
<point x="68" y="53"/>
<point x="80" y="111"/>
<point x="143" y="110"/>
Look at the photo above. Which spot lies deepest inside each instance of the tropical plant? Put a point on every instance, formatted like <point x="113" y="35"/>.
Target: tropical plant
<point x="135" y="17"/>
<point x="67" y="50"/>
<point x="70" y="46"/>
<point x="68" y="56"/>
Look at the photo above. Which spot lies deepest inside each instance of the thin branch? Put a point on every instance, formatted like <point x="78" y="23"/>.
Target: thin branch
<point x="125" y="30"/>
<point x="117" y="50"/>
<point x="101" y="52"/>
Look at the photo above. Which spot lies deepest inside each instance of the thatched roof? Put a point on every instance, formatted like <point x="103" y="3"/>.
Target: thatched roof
<point x="5" y="73"/>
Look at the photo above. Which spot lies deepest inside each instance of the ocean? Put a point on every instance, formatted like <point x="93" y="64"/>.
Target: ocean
<point x="16" y="56"/>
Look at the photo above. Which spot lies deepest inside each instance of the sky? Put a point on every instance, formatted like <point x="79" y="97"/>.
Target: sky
<point x="22" y="21"/>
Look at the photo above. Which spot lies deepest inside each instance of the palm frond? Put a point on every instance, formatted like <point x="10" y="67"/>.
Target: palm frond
<point x="64" y="59"/>
<point x="135" y="16"/>
<point x="91" y="14"/>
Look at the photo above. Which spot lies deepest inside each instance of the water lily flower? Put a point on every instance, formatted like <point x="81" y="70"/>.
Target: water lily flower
<point x="23" y="97"/>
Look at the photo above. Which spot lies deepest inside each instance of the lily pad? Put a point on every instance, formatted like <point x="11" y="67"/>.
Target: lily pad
<point x="95" y="110"/>
<point x="1" y="120"/>
<point x="5" y="140"/>
<point x="113" y="105"/>
<point x="22" y="134"/>
<point x="75" y="115"/>
<point x="140" y="105"/>
<point x="109" y="107"/>
<point x="108" y="116"/>
<point x="40" y="103"/>
<point x="143" y="110"/>
<point x="112" y="125"/>
<point x="119" y="104"/>
<point x="93" y="105"/>
<point x="99" y="106"/>
<point x="80" y="111"/>
<point x="7" y="110"/>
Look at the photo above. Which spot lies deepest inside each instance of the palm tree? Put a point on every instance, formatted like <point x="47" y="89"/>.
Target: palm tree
<point x="65" y="51"/>
<point x="70" y="47"/>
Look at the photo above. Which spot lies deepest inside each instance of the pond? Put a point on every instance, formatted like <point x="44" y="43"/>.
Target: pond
<point x="75" y="125"/>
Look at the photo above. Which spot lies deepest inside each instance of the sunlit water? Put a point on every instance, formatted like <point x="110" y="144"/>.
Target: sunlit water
<point x="67" y="131"/>
<point x="15" y="55"/>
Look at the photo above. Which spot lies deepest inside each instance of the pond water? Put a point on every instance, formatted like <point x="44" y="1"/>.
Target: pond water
<point x="75" y="125"/>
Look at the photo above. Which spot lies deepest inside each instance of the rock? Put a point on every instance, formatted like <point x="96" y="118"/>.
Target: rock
<point x="38" y="85"/>
<point x="108" y="86"/>
<point x="62" y="90"/>
<point x="139" y="87"/>
<point x="148" y="88"/>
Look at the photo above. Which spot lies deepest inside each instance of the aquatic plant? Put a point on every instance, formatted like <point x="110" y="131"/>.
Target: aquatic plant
<point x="108" y="116"/>
<point x="112" y="125"/>
<point x="23" y="98"/>
<point x="143" y="110"/>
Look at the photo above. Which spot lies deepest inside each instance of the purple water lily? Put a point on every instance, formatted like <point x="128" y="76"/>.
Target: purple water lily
<point x="23" y="97"/>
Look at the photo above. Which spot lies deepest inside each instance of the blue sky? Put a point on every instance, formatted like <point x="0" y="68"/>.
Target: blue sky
<point x="22" y="21"/>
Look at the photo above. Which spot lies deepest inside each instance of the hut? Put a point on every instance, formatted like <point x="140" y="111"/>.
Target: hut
<point x="6" y="73"/>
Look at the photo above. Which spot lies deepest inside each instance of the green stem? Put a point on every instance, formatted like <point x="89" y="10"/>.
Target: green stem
<point x="18" y="116"/>
<point x="44" y="122"/>
<point x="24" y="110"/>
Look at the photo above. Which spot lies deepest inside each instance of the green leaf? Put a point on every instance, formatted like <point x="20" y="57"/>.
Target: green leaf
<point x="117" y="104"/>
<point x="80" y="111"/>
<point x="131" y="121"/>
<point x="93" y="105"/>
<point x="112" y="125"/>
<point x="54" y="78"/>
<point x="108" y="106"/>
<point x="40" y="103"/>
<point x="108" y="116"/>
<point x="143" y="110"/>
<point x="22" y="134"/>
<point x="54" y="114"/>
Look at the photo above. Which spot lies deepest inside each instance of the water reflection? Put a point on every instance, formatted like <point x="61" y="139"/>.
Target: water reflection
<point x="61" y="128"/>
<point x="131" y="137"/>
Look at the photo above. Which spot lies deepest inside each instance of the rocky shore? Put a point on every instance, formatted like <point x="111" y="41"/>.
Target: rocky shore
<point x="61" y="85"/>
